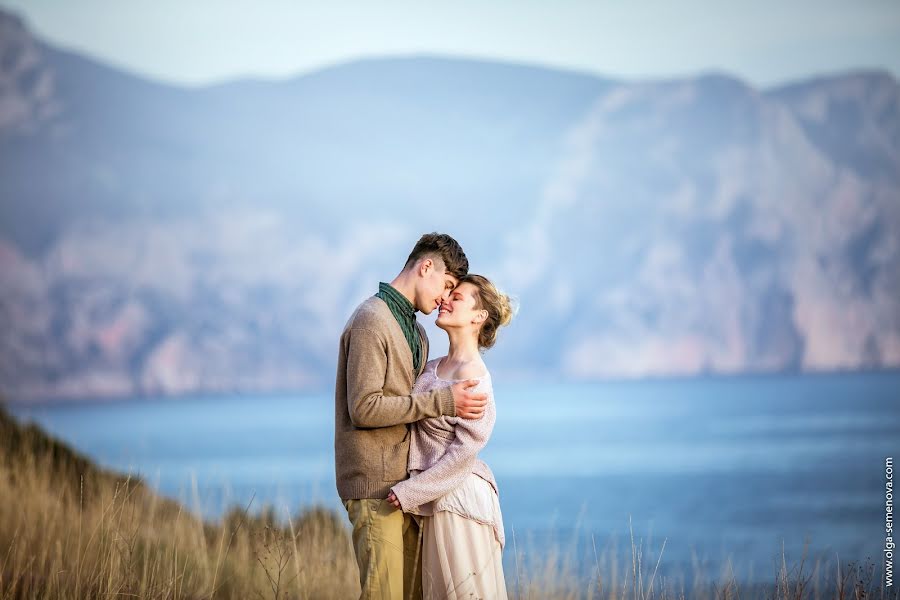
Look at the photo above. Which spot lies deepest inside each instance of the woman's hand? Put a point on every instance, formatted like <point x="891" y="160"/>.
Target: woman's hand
<point x="392" y="498"/>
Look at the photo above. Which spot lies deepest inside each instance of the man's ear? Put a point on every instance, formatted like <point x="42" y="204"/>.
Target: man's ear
<point x="425" y="265"/>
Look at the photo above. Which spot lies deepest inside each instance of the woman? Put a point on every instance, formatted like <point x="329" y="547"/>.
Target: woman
<point x="453" y="491"/>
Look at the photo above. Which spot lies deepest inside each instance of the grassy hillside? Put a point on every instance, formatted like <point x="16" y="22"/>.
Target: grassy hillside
<point x="69" y="529"/>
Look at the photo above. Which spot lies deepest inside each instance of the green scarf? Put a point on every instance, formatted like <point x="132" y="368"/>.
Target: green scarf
<point x="405" y="313"/>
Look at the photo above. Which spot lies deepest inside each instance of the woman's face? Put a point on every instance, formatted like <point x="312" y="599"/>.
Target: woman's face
<point x="459" y="309"/>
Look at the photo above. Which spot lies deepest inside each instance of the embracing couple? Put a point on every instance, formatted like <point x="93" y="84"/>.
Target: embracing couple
<point x="425" y="510"/>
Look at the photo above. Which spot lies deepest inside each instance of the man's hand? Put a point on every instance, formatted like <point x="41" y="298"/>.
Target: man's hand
<point x="469" y="405"/>
<point x="394" y="500"/>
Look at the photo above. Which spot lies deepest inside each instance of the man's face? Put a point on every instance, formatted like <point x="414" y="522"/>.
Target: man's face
<point x="435" y="285"/>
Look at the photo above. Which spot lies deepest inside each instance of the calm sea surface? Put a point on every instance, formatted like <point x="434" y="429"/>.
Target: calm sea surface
<point x="724" y="470"/>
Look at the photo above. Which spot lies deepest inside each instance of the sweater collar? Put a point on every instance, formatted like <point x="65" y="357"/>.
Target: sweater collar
<point x="398" y="299"/>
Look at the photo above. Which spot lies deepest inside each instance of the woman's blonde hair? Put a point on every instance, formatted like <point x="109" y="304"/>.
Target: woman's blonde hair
<point x="497" y="304"/>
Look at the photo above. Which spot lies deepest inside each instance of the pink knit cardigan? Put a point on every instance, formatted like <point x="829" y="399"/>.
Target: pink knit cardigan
<point x="445" y="448"/>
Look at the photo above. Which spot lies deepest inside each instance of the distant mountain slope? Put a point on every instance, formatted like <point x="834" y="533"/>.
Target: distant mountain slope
<point x="155" y="239"/>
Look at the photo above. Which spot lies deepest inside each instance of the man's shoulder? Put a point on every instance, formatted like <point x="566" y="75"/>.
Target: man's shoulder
<point x="372" y="313"/>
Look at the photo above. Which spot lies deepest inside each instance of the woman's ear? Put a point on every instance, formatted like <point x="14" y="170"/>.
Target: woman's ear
<point x="481" y="317"/>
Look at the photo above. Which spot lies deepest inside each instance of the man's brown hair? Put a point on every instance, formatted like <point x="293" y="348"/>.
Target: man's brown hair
<point x="444" y="247"/>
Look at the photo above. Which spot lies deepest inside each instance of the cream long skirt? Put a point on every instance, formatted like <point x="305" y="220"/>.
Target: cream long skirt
<point x="461" y="558"/>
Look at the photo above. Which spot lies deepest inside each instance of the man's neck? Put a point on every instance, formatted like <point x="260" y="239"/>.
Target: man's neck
<point x="404" y="284"/>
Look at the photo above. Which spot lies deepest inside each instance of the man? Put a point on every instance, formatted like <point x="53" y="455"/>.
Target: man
<point x="382" y="351"/>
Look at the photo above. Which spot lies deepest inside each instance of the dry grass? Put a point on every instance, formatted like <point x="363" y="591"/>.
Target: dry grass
<point x="554" y="574"/>
<point x="70" y="530"/>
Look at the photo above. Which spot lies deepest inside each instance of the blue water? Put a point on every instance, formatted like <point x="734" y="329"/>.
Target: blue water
<point x="725" y="470"/>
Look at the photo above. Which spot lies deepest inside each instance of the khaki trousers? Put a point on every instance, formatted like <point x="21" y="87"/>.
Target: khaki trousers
<point x="388" y="548"/>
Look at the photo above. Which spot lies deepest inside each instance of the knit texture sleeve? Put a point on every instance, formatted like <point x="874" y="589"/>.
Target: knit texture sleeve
<point x="456" y="463"/>
<point x="366" y="373"/>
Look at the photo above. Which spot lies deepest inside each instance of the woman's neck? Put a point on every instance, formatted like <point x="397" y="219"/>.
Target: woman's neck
<point x="463" y="347"/>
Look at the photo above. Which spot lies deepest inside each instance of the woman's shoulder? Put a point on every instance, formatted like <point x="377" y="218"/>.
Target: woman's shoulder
<point x="475" y="370"/>
<point x="472" y="370"/>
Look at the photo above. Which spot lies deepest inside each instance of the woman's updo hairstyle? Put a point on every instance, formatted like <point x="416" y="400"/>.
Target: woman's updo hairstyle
<point x="497" y="304"/>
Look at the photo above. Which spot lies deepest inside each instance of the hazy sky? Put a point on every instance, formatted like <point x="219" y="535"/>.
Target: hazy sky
<point x="195" y="42"/>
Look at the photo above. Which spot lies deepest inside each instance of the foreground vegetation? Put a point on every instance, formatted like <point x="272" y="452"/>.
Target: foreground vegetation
<point x="71" y="530"/>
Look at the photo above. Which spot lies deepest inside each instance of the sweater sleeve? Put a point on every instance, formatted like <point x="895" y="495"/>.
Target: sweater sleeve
<point x="366" y="373"/>
<point x="456" y="463"/>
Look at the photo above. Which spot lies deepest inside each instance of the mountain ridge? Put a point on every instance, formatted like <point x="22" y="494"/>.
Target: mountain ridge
<point x="159" y="240"/>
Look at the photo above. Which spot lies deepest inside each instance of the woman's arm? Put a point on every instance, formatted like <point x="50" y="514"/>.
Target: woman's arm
<point x="452" y="468"/>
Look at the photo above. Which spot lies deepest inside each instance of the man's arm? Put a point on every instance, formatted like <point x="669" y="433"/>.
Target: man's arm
<point x="366" y="402"/>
